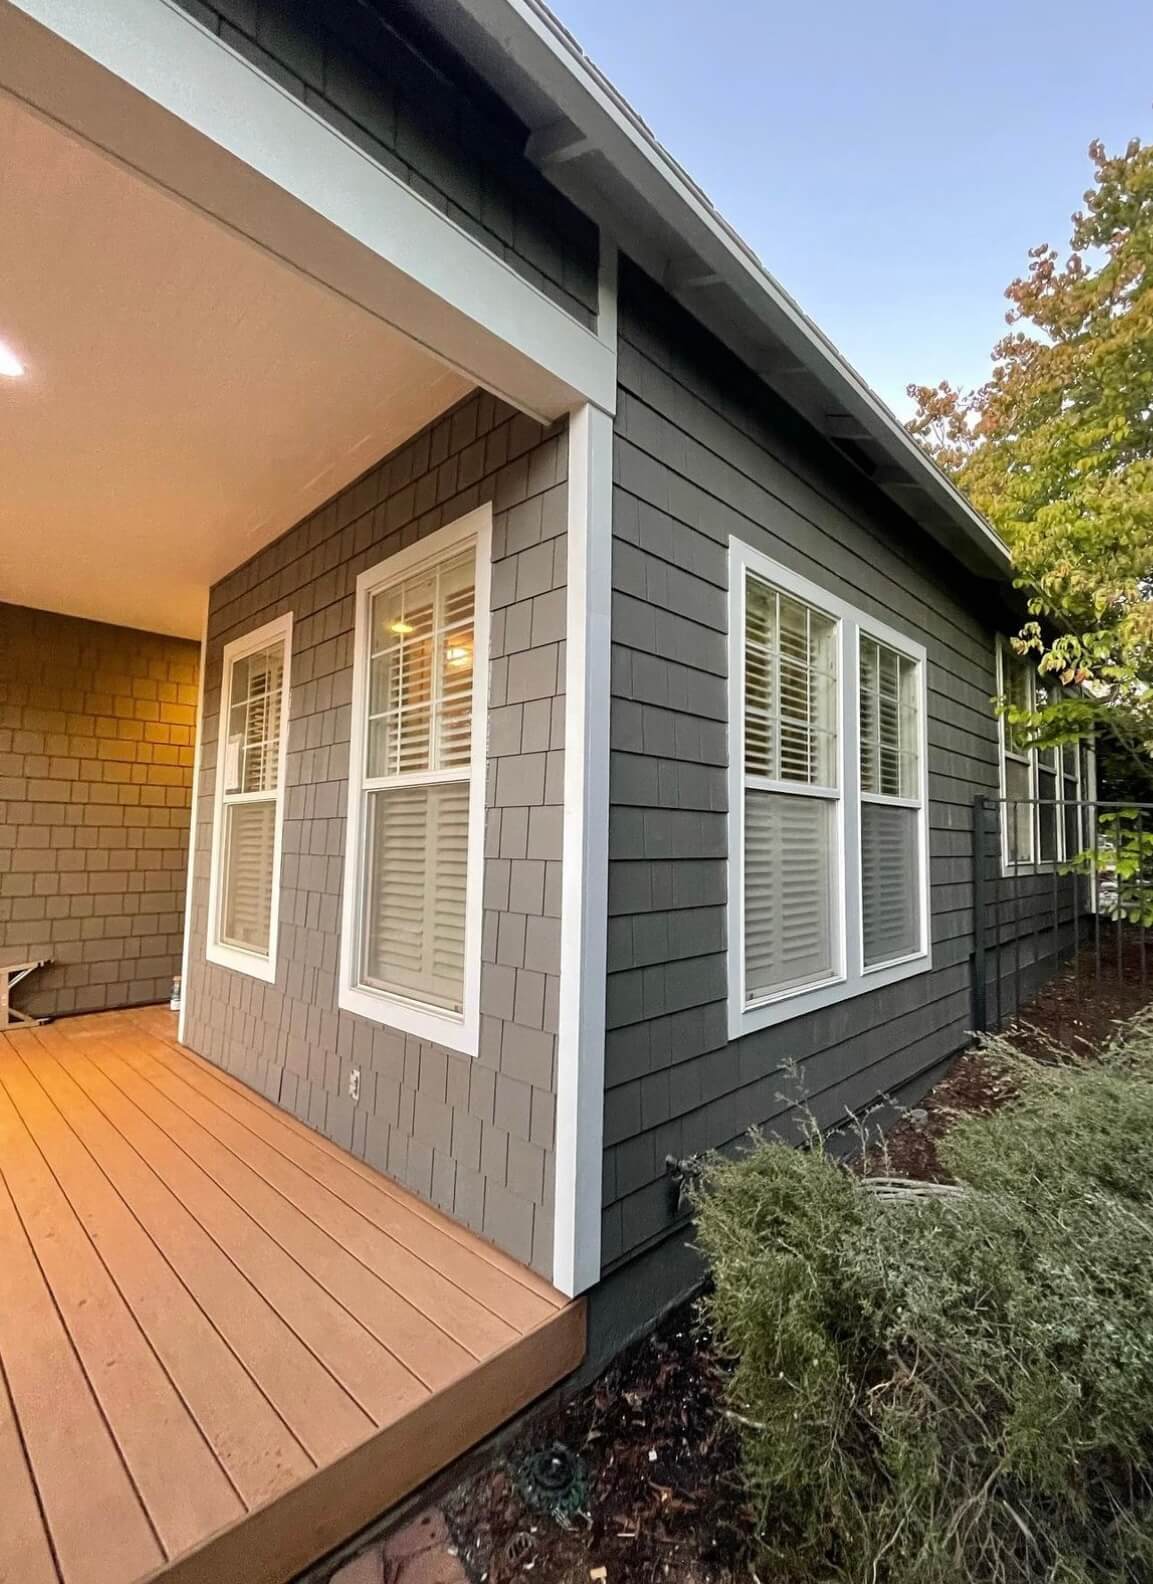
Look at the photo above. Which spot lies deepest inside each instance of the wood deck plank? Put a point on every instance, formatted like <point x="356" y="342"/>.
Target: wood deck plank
<point x="25" y="1550"/>
<point x="317" y="1409"/>
<point x="231" y="1239"/>
<point x="180" y="1482"/>
<point x="520" y="1305"/>
<point x="249" y="1438"/>
<point x="393" y="1357"/>
<point x="74" y="1461"/>
<point x="450" y="1308"/>
<point x="159" y="1024"/>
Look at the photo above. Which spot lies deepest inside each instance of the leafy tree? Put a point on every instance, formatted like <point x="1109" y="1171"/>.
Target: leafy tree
<point x="1057" y="450"/>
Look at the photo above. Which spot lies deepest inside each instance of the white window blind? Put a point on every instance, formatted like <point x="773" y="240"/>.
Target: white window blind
<point x="417" y="781"/>
<point x="247" y="816"/>
<point x="890" y="749"/>
<point x="790" y="738"/>
<point x="827" y="800"/>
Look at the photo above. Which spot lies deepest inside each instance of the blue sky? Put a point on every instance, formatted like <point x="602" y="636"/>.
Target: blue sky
<point x="890" y="162"/>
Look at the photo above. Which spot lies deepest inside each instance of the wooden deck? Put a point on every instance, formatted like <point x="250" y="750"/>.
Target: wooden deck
<point x="226" y="1345"/>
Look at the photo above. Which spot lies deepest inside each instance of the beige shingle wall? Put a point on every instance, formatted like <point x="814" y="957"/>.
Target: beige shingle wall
<point x="96" y="729"/>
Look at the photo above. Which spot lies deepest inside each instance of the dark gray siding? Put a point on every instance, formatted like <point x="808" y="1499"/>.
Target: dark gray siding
<point x="474" y="1137"/>
<point x="702" y="451"/>
<point x="398" y="93"/>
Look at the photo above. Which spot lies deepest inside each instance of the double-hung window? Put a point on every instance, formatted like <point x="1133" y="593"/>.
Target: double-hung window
<point x="1042" y="788"/>
<point x="827" y="841"/>
<point x="411" y="937"/>
<point x="247" y="822"/>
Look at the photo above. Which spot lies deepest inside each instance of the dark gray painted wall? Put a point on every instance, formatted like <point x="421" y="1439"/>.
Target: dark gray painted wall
<point x="474" y="1137"/>
<point x="703" y="450"/>
<point x="399" y="94"/>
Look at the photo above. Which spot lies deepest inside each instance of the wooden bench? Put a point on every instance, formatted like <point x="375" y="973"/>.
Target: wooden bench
<point x="10" y="976"/>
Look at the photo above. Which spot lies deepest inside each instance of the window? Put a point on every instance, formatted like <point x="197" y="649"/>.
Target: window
<point x="1041" y="823"/>
<point x="827" y="806"/>
<point x="410" y="945"/>
<point x="890" y="747"/>
<point x="246" y="829"/>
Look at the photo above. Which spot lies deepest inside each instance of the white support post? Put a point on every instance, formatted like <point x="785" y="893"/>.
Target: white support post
<point x="190" y="880"/>
<point x="584" y="879"/>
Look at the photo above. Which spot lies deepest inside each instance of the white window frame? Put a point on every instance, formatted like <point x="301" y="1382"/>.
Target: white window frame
<point x="259" y="965"/>
<point x="1034" y="864"/>
<point x="455" y="1031"/>
<point x="852" y="978"/>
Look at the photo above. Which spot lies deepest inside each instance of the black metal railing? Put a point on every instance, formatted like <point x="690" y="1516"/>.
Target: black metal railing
<point x="1058" y="881"/>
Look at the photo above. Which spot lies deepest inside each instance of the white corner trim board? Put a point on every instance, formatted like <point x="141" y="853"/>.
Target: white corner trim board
<point x="584" y="877"/>
<point x="156" y="90"/>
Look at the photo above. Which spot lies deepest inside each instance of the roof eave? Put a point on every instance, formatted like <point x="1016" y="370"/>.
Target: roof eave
<point x="529" y="57"/>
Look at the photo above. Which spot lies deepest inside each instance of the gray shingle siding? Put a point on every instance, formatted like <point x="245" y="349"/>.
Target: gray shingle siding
<point x="702" y="451"/>
<point x="473" y="1137"/>
<point x="418" y="111"/>
<point x="96" y="729"/>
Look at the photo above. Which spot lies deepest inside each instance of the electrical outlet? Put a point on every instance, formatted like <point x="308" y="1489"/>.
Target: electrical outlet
<point x="354" y="1084"/>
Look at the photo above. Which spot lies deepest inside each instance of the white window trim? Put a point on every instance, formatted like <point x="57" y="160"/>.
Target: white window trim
<point x="1034" y="864"/>
<point x="852" y="978"/>
<point x="258" y="965"/>
<point x="458" y="1032"/>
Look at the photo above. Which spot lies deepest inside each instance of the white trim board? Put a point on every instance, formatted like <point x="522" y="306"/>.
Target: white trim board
<point x="190" y="878"/>
<point x="853" y="978"/>
<point x="458" y="1033"/>
<point x="147" y="84"/>
<point x="258" y="965"/>
<point x="584" y="876"/>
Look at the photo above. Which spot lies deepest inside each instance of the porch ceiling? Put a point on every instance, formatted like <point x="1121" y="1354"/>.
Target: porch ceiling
<point x="188" y="396"/>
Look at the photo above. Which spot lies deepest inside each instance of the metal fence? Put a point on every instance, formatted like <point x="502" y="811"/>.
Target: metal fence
<point x="1058" y="881"/>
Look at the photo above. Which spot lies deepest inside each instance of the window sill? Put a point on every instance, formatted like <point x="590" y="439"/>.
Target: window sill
<point x="439" y="1028"/>
<point x="250" y="963"/>
<point x="798" y="1003"/>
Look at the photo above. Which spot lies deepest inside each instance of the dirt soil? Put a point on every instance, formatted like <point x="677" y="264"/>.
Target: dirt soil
<point x="635" y="1481"/>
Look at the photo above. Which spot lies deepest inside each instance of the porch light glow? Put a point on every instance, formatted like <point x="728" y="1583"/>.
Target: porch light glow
<point x="10" y="364"/>
<point x="458" y="655"/>
<point x="400" y="627"/>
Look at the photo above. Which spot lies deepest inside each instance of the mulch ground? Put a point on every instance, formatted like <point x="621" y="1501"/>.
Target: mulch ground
<point x="635" y="1481"/>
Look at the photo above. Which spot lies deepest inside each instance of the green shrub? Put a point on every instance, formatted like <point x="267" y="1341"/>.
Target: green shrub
<point x="952" y="1390"/>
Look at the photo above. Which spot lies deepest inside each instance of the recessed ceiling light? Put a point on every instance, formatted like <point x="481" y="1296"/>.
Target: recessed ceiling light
<point x="10" y="364"/>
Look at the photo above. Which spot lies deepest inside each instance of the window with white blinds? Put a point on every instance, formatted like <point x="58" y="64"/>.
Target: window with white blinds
<point x="1042" y="818"/>
<point x="890" y="749"/>
<point x="790" y="792"/>
<point x="827" y="804"/>
<point x="249" y="793"/>
<point x="416" y="796"/>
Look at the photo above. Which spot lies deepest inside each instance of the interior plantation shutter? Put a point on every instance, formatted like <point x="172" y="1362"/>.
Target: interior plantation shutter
<point x="252" y="724"/>
<point x="247" y="890"/>
<point x="418" y="785"/>
<point x="890" y="772"/>
<point x="791" y="799"/>
<point x="890" y="882"/>
<point x="788" y="891"/>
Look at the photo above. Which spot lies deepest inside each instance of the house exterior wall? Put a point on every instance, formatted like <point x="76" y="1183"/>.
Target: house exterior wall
<point x="413" y="107"/>
<point x="702" y="450"/>
<point x="472" y="1136"/>
<point x="96" y="746"/>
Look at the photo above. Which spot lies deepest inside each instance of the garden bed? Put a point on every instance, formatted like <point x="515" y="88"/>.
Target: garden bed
<point x="635" y="1480"/>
